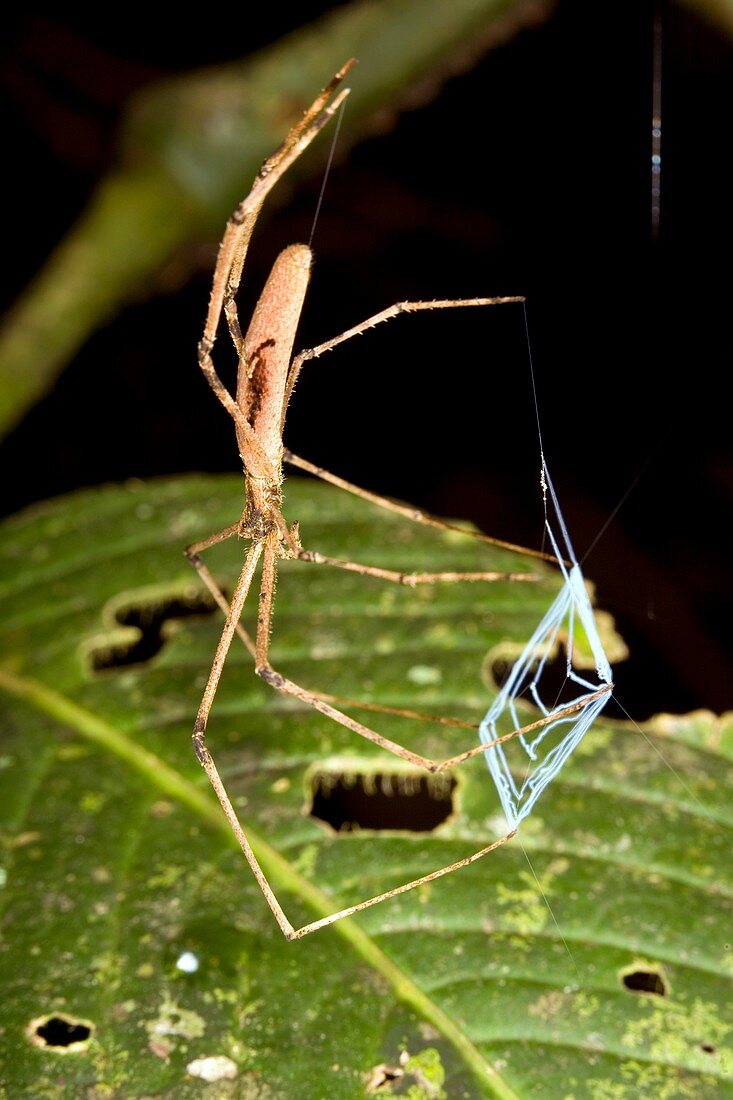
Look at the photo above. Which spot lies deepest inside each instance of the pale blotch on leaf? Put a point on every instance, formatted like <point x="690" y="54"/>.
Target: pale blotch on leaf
<point x="427" y="1069"/>
<point x="424" y="675"/>
<point x="585" y="1005"/>
<point x="166" y="877"/>
<point x="161" y="809"/>
<point x="92" y="802"/>
<point x="216" y="1067"/>
<point x="172" y="1020"/>
<point x="185" y="521"/>
<point x="325" y="649"/>
<point x="558" y="866"/>
<point x="669" y="1036"/>
<point x="523" y="907"/>
<point x="549" y="1005"/>
<point x="386" y="601"/>
<point x="439" y="633"/>
<point x="641" y="1079"/>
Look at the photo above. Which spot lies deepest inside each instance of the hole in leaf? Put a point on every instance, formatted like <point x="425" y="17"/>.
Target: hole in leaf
<point x="381" y="800"/>
<point x="60" y="1031"/>
<point x="641" y="980"/>
<point x="708" y="1048"/>
<point x="149" y="619"/>
<point x="382" y="1076"/>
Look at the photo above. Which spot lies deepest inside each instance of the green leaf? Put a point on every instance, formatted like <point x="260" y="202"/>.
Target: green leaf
<point x="118" y="860"/>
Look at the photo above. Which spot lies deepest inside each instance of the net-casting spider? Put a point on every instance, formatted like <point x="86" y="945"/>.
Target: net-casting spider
<point x="265" y="378"/>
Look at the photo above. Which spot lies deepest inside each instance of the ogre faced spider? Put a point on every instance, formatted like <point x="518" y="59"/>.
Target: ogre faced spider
<point x="267" y="372"/>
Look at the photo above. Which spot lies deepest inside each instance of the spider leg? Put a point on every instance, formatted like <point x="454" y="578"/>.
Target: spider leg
<point x="400" y="712"/>
<point x="269" y="547"/>
<point x="199" y="735"/>
<point x="281" y="683"/>
<point x="298" y="933"/>
<point x="233" y="251"/>
<point x="192" y="553"/>
<point x="386" y="315"/>
<point x="222" y="649"/>
<point x="216" y="782"/>
<point x="287" y="686"/>
<point x="416" y="515"/>
<point x="410" y="580"/>
<point x="264" y="669"/>
<point x="284" y="684"/>
<point x="325" y="697"/>
<point x="264" y="619"/>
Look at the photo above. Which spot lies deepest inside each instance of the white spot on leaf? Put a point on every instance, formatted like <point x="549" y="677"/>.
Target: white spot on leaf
<point x="188" y="962"/>
<point x="217" y="1067"/>
<point x="424" y="675"/>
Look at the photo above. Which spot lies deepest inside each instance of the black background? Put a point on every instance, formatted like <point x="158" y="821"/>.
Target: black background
<point x="530" y="174"/>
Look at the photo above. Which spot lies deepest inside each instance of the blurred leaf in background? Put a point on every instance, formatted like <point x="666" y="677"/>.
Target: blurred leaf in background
<point x="191" y="146"/>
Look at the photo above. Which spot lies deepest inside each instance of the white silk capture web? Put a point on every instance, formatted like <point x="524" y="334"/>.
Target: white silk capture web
<point x="523" y="766"/>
